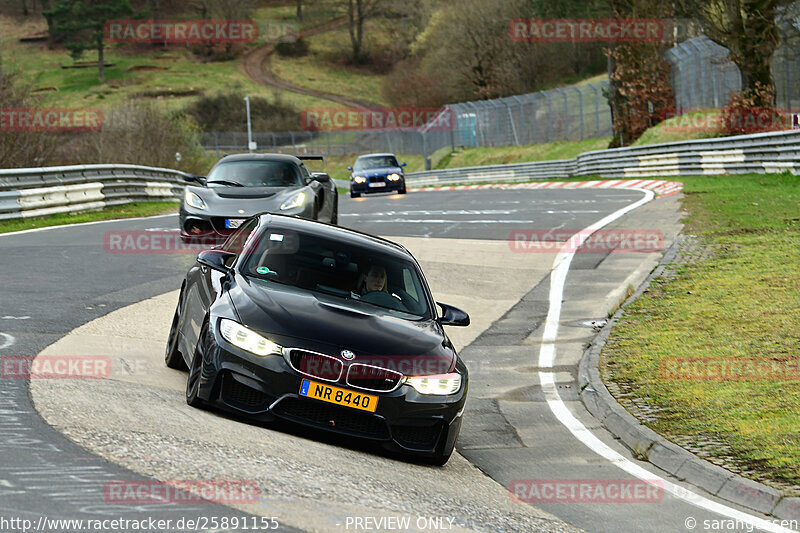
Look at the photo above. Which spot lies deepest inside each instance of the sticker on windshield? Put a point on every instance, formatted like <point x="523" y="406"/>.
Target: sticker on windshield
<point x="276" y="237"/>
<point x="263" y="270"/>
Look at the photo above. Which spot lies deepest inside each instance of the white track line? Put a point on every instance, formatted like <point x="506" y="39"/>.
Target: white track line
<point x="8" y="341"/>
<point x="46" y="228"/>
<point x="547" y="379"/>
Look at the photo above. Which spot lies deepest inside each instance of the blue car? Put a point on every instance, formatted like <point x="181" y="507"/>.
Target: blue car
<point x="376" y="173"/>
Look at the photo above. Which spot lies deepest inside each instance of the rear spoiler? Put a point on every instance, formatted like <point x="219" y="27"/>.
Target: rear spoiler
<point x="311" y="157"/>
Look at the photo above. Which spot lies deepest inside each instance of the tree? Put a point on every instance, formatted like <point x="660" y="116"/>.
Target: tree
<point x="749" y="29"/>
<point x="358" y="11"/>
<point x="80" y="24"/>
<point x="639" y="91"/>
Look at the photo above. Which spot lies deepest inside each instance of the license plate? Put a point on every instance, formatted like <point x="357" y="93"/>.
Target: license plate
<point x="378" y="184"/>
<point x="339" y="396"/>
<point x="233" y="223"/>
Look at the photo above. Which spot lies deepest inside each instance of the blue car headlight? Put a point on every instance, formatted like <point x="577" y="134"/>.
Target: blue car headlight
<point x="394" y="176"/>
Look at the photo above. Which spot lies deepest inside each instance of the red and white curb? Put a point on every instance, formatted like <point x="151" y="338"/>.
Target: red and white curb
<point x="660" y="187"/>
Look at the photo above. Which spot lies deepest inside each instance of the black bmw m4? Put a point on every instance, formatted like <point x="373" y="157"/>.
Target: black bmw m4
<point x="322" y="326"/>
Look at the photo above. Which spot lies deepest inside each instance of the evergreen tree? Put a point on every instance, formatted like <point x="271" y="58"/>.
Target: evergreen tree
<point x="80" y="23"/>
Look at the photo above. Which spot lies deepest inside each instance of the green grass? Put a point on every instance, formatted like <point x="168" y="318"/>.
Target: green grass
<point x="471" y="157"/>
<point x="683" y="128"/>
<point x="323" y="70"/>
<point x="742" y="301"/>
<point x="182" y="72"/>
<point x="136" y="209"/>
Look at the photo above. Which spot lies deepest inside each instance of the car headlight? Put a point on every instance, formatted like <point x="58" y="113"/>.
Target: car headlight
<point x="296" y="201"/>
<point x="439" y="385"/>
<point x="247" y="339"/>
<point x="359" y="179"/>
<point x="193" y="200"/>
<point x="393" y="177"/>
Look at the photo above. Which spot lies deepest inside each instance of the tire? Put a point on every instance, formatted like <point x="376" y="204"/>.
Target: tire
<point x="335" y="214"/>
<point x="195" y="371"/>
<point x="172" y="356"/>
<point x="402" y="191"/>
<point x="354" y="194"/>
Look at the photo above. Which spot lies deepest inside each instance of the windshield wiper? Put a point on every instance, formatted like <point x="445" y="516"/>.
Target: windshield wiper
<point x="226" y="182"/>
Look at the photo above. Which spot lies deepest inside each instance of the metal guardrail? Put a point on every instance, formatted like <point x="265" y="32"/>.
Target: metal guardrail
<point x="42" y="191"/>
<point x="759" y="153"/>
<point x="30" y="192"/>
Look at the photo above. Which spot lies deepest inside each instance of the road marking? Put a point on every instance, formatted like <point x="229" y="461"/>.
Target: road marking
<point x="547" y="352"/>
<point x="9" y="317"/>
<point x="8" y="342"/>
<point x="36" y="230"/>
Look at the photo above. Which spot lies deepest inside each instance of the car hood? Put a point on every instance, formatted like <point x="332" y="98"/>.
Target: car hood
<point x="378" y="172"/>
<point x="314" y="321"/>
<point x="251" y="200"/>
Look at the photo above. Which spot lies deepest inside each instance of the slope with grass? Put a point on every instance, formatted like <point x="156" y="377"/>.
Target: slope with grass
<point x="708" y="357"/>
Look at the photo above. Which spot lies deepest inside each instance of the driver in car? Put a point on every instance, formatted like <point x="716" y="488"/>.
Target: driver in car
<point x="373" y="280"/>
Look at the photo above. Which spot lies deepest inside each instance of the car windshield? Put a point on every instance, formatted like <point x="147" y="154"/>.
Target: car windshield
<point x="357" y="274"/>
<point x="383" y="161"/>
<point x="255" y="174"/>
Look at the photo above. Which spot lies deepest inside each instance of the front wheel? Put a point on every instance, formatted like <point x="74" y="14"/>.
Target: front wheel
<point x="195" y="372"/>
<point x="354" y="194"/>
<point x="335" y="213"/>
<point x="173" y="357"/>
<point x="402" y="191"/>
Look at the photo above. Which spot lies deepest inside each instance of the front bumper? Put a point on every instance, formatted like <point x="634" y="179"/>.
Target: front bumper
<point x="265" y="388"/>
<point x="388" y="186"/>
<point x="198" y="225"/>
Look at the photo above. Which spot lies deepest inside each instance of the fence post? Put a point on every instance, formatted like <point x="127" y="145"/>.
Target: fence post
<point x="563" y="93"/>
<point x="580" y="106"/>
<point x="513" y="126"/>
<point x="596" y="109"/>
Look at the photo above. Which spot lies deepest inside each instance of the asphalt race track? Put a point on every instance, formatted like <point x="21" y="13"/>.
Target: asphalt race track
<point x="62" y="441"/>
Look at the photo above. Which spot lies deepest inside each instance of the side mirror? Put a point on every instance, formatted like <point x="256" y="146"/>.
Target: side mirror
<point x="216" y="259"/>
<point x="197" y="179"/>
<point x="403" y="164"/>
<point x="321" y="177"/>
<point x="452" y="316"/>
<point x="350" y="169"/>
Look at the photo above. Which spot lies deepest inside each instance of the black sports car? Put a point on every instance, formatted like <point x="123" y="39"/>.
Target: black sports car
<point x="323" y="326"/>
<point x="376" y="173"/>
<point x="240" y="186"/>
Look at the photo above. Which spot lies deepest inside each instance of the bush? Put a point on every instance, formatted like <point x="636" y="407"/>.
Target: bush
<point x="296" y="48"/>
<point x="751" y="111"/>
<point x="227" y="112"/>
<point x="22" y="148"/>
<point x="140" y="133"/>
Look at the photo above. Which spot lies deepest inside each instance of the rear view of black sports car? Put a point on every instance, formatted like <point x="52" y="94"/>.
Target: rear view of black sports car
<point x="322" y="326"/>
<point x="240" y="186"/>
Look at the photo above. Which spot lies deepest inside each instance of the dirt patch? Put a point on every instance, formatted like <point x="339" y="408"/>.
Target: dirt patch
<point x="168" y="92"/>
<point x="146" y="68"/>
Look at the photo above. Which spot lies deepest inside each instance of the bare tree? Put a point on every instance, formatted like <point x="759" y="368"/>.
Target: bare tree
<point x="358" y="11"/>
<point x="748" y="28"/>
